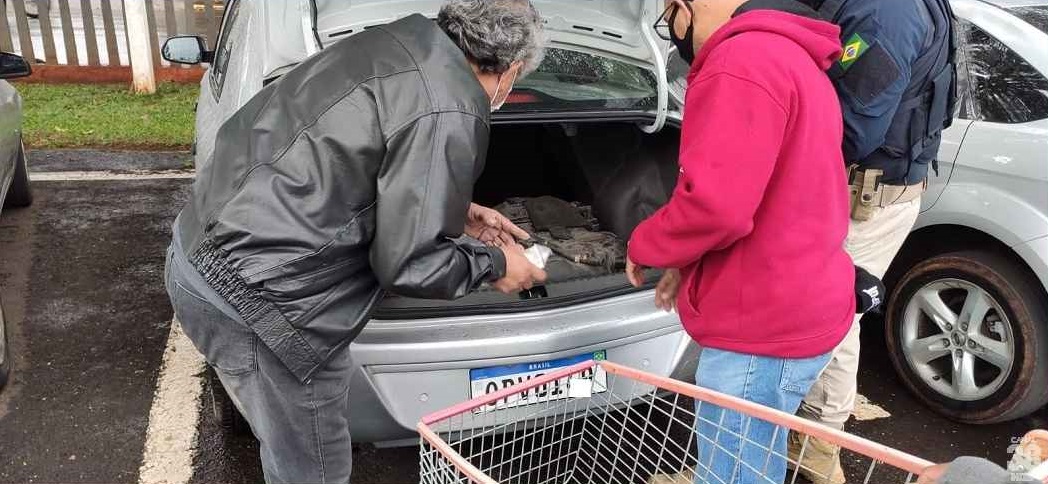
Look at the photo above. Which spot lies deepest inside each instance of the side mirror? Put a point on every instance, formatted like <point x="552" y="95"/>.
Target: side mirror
<point x="12" y="66"/>
<point x="186" y="49"/>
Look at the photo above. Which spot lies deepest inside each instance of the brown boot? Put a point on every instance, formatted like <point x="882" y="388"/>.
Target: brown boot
<point x="821" y="462"/>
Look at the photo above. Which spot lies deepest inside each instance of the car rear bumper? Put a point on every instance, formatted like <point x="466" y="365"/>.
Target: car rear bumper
<point x="404" y="370"/>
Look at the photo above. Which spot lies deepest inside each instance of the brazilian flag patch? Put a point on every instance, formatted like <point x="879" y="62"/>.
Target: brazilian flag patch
<point x="854" y="48"/>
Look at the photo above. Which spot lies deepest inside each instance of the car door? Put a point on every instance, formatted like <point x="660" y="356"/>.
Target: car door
<point x="952" y="137"/>
<point x="258" y="42"/>
<point x="1007" y="101"/>
<point x="10" y="132"/>
<point x="216" y="102"/>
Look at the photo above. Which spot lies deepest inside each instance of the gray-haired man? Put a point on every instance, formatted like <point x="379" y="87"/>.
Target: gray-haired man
<point x="350" y="176"/>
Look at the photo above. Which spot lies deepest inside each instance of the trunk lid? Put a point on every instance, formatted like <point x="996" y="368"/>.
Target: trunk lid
<point x="618" y="29"/>
<point x="611" y="27"/>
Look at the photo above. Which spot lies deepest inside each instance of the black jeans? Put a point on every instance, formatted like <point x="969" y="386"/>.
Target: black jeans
<point x="303" y="428"/>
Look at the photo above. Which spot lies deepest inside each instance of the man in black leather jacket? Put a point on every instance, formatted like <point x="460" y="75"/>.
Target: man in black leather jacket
<point x="350" y="176"/>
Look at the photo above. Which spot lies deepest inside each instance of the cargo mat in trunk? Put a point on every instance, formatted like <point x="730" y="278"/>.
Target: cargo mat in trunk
<point x="580" y="247"/>
<point x="586" y="263"/>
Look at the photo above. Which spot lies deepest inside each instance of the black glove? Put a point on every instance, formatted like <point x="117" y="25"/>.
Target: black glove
<point x="869" y="291"/>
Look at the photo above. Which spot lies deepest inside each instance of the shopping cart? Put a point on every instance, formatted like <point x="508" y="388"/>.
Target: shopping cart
<point x="600" y="422"/>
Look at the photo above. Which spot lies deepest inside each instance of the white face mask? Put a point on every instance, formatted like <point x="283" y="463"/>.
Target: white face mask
<point x="497" y="103"/>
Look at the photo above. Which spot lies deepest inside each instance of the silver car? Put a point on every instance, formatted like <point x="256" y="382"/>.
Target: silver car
<point x="14" y="173"/>
<point x="597" y="124"/>
<point x="596" y="117"/>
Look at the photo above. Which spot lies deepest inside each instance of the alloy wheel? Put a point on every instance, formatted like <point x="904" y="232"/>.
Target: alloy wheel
<point x="958" y="339"/>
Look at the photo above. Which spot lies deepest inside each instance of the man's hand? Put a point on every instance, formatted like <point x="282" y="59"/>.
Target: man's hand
<point x="521" y="274"/>
<point x="634" y="273"/>
<point x="666" y="290"/>
<point x="491" y="227"/>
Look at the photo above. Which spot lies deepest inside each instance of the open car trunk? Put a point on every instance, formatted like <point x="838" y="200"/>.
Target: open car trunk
<point x="612" y="174"/>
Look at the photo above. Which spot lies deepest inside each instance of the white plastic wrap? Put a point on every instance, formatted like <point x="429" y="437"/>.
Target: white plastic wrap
<point x="538" y="255"/>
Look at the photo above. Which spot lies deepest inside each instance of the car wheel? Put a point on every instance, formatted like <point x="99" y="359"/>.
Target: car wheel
<point x="223" y="410"/>
<point x="967" y="333"/>
<point x="5" y="366"/>
<point x="19" y="195"/>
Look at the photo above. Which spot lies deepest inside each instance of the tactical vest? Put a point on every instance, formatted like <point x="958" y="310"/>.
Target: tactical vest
<point x="927" y="106"/>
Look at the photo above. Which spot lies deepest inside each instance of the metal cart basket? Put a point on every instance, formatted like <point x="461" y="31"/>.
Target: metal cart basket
<point x="600" y="422"/>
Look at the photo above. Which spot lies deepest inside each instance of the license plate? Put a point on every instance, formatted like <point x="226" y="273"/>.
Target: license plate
<point x="490" y="380"/>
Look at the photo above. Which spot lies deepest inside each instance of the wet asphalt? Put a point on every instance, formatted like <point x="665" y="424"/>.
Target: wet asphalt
<point x="81" y="283"/>
<point x="81" y="272"/>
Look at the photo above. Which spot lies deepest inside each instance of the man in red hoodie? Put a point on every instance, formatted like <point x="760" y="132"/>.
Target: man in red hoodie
<point x="752" y="238"/>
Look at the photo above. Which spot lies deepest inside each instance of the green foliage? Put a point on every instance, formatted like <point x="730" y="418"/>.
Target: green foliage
<point x="107" y="116"/>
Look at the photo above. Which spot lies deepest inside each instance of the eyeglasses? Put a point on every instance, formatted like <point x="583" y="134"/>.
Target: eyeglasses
<point x="662" y="24"/>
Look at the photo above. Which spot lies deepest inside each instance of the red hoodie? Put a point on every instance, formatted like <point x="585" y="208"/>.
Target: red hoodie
<point x="759" y="215"/>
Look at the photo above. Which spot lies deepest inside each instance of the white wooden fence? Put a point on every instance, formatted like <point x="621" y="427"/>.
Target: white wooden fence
<point x="93" y="32"/>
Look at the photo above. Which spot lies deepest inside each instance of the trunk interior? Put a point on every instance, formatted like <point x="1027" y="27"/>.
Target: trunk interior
<point x="614" y="174"/>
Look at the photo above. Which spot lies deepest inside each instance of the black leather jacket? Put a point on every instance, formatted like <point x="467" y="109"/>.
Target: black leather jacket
<point x="351" y="174"/>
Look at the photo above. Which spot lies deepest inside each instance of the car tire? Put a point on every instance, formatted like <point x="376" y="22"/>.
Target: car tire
<point x="19" y="194"/>
<point x="987" y="364"/>
<point x="5" y="361"/>
<point x="223" y="411"/>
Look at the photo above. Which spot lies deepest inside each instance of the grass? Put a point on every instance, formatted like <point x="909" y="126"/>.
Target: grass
<point x="107" y="116"/>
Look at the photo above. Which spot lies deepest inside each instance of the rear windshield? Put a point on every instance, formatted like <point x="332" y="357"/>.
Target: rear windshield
<point x="569" y="81"/>
<point x="1036" y="16"/>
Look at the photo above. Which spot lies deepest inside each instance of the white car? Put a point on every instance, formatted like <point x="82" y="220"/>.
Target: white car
<point x="599" y="123"/>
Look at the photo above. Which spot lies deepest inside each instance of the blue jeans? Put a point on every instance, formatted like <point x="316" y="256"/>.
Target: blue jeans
<point x="737" y="449"/>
